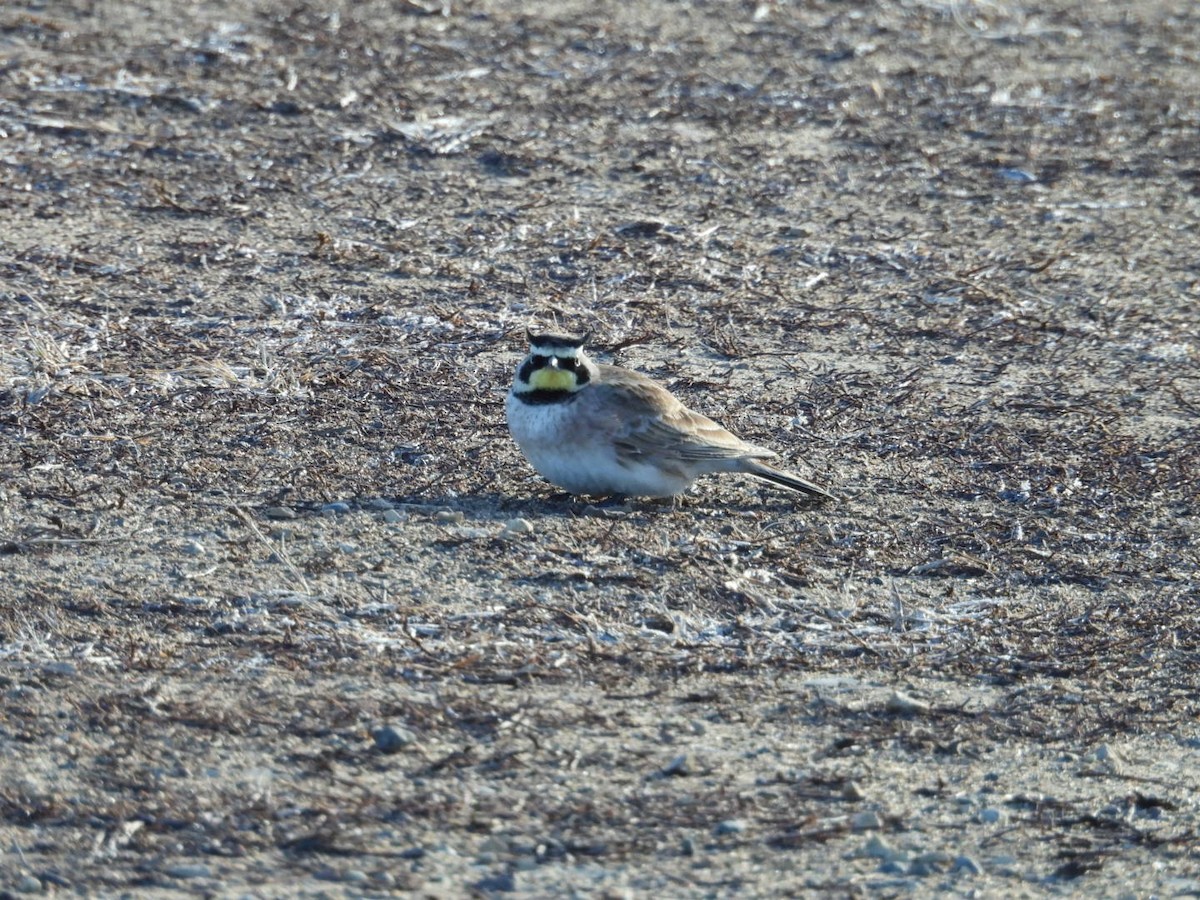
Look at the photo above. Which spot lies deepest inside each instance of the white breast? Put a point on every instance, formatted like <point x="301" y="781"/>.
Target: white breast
<point x="564" y="453"/>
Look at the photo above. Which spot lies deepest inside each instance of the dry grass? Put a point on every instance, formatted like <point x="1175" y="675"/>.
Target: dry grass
<point x="262" y="285"/>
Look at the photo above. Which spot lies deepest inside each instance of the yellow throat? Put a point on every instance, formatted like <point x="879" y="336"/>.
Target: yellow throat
<point x="551" y="379"/>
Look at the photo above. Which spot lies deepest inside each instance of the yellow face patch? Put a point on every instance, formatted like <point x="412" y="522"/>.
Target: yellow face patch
<point x="550" y="379"/>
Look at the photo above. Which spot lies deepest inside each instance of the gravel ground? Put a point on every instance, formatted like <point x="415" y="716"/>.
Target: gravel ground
<point x="284" y="612"/>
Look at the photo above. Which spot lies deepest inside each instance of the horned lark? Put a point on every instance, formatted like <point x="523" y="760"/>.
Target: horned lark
<point x="604" y="430"/>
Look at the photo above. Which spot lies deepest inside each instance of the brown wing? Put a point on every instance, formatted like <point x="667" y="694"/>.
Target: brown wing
<point x="645" y="420"/>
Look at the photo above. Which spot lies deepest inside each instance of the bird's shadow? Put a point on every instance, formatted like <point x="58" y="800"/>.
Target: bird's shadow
<point x="561" y="505"/>
<point x="551" y="504"/>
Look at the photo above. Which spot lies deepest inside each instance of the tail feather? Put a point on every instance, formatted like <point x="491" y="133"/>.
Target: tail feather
<point x="786" y="479"/>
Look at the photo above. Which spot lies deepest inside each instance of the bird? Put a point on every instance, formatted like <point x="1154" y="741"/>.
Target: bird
<point x="605" y="431"/>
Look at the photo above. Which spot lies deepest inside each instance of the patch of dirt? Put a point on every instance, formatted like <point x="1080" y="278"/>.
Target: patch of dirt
<point x="268" y="623"/>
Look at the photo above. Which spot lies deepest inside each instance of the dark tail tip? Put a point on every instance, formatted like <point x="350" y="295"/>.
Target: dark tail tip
<point x="792" y="482"/>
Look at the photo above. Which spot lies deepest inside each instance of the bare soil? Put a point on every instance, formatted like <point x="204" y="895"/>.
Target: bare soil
<point x="283" y="612"/>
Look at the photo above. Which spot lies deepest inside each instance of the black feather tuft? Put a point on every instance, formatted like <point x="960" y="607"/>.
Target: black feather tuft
<point x="554" y="341"/>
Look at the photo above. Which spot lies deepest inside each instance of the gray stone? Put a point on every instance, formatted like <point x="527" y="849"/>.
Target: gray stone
<point x="730" y="826"/>
<point x="392" y="738"/>
<point x="966" y="864"/>
<point x="680" y="766"/>
<point x="504" y="883"/>
<point x="878" y="848"/>
<point x="189" y="870"/>
<point x="515" y="528"/>
<point x="867" y="820"/>
<point x="930" y="863"/>
<point x="905" y="705"/>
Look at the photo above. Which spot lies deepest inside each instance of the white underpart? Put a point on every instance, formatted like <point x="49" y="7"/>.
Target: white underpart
<point x="550" y="437"/>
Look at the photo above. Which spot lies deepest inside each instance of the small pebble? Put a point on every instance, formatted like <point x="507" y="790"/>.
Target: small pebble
<point x="905" y="705"/>
<point x="878" y="848"/>
<point x="605" y="512"/>
<point x="516" y="527"/>
<point x="494" y="844"/>
<point x="29" y="885"/>
<point x="930" y="863"/>
<point x="990" y="816"/>
<point x="380" y="503"/>
<point x="499" y="884"/>
<point x="192" y="548"/>
<point x="1029" y="801"/>
<point x="467" y="533"/>
<point x="730" y="826"/>
<point x="279" y="512"/>
<point x="449" y="517"/>
<point x="394" y="517"/>
<point x="867" y="820"/>
<point x="659" y="622"/>
<point x="680" y="766"/>
<point x="852" y="792"/>
<point x="1102" y="760"/>
<point x="1016" y="176"/>
<point x="336" y="508"/>
<point x="392" y="738"/>
<point x="893" y="867"/>
<point x="966" y="864"/>
<point x="355" y="876"/>
<point x="1005" y="871"/>
<point x="189" y="870"/>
